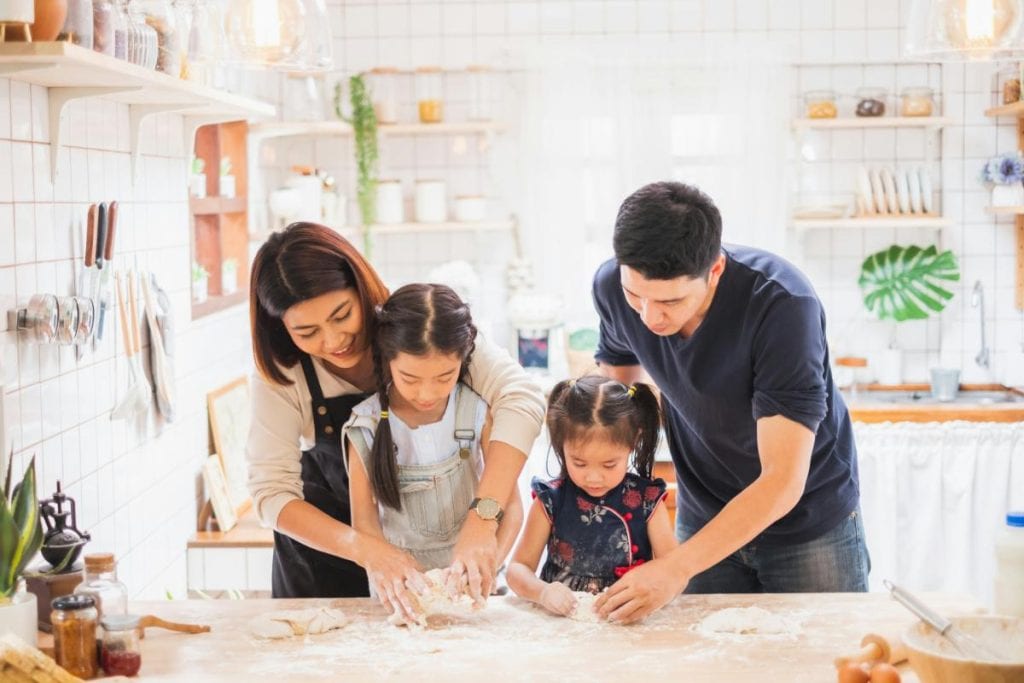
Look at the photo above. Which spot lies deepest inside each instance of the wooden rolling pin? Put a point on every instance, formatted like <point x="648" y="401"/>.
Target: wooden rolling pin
<point x="151" y="620"/>
<point x="877" y="648"/>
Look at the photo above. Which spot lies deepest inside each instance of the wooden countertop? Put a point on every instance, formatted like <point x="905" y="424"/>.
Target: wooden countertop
<point x="510" y="640"/>
<point x="864" y="409"/>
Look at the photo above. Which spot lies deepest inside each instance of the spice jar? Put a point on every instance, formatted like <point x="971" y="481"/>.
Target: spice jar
<point x="384" y="92"/>
<point x="820" y="104"/>
<point x="479" y="92"/>
<point x="74" y="634"/>
<point x="101" y="584"/>
<point x="103" y="27"/>
<point x="916" y="102"/>
<point x="78" y="24"/>
<point x="120" y="652"/>
<point x="160" y="16"/>
<point x="870" y="102"/>
<point x="428" y="94"/>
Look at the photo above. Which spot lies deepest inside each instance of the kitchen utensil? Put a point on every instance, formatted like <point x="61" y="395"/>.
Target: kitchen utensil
<point x="67" y="320"/>
<point x="964" y="643"/>
<point x="163" y="376"/>
<point x="136" y="397"/>
<point x="926" y="189"/>
<point x="39" y="319"/>
<point x="104" y="279"/>
<point x="876" y="647"/>
<point x="101" y="233"/>
<point x="935" y="660"/>
<point x="153" y="621"/>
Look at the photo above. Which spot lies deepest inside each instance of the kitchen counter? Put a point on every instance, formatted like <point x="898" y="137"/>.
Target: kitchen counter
<point x="511" y="640"/>
<point x="912" y="403"/>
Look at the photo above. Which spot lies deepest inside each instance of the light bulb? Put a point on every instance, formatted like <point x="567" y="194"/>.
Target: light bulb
<point x="965" y="29"/>
<point x="265" y="31"/>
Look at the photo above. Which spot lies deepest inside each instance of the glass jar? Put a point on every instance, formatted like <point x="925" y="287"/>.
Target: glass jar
<point x="918" y="101"/>
<point x="384" y="93"/>
<point x="480" y="77"/>
<point x="184" y="11"/>
<point x="142" y="41"/>
<point x="101" y="583"/>
<point x="428" y="94"/>
<point x="78" y="24"/>
<point x="870" y="102"/>
<point x="160" y="16"/>
<point x="820" y="104"/>
<point x="120" y="654"/>
<point x="74" y="634"/>
<point x="121" y="30"/>
<point x="200" y="47"/>
<point x="103" y="27"/>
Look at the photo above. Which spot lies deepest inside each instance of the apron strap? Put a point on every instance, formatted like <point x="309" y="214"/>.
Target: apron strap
<point x="466" y="402"/>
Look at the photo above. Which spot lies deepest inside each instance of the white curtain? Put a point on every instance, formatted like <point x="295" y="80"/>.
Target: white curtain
<point x="601" y="119"/>
<point x="934" y="497"/>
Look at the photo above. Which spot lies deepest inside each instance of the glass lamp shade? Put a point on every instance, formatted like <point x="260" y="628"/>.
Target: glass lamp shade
<point x="958" y="30"/>
<point x="266" y="32"/>
<point x="316" y="52"/>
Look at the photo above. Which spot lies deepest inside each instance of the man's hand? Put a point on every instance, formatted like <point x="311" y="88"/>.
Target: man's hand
<point x="641" y="592"/>
<point x="475" y="558"/>
<point x="558" y="599"/>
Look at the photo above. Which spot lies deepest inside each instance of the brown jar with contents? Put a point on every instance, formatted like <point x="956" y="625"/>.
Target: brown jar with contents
<point x="820" y="104"/>
<point x="870" y="102"/>
<point x="428" y="94"/>
<point x="74" y="634"/>
<point x="916" y="102"/>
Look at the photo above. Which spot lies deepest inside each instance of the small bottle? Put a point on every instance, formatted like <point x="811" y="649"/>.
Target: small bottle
<point x="74" y="634"/>
<point x="120" y="653"/>
<point x="384" y="89"/>
<point x="103" y="23"/>
<point x="1009" y="583"/>
<point x="428" y="94"/>
<point x="101" y="583"/>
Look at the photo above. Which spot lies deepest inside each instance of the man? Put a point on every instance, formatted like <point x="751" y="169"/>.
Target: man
<point x="762" y="443"/>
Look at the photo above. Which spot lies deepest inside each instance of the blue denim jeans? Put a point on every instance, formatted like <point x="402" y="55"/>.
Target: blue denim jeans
<point x="835" y="562"/>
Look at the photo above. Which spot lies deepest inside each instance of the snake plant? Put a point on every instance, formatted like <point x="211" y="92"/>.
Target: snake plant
<point x="21" y="530"/>
<point x="907" y="283"/>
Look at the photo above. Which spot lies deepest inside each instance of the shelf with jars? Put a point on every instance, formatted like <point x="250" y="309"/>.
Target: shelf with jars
<point x="72" y="72"/>
<point x="876" y="122"/>
<point x="283" y="129"/>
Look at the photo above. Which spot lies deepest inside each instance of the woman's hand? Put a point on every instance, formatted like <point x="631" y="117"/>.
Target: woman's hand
<point x="475" y="558"/>
<point x="557" y="598"/>
<point x="392" y="573"/>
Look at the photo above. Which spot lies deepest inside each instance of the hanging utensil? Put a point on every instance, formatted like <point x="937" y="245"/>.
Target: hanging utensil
<point x="106" y="266"/>
<point x="159" y="363"/>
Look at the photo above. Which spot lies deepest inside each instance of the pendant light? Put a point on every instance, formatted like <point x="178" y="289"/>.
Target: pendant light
<point x="265" y="32"/>
<point x="958" y="30"/>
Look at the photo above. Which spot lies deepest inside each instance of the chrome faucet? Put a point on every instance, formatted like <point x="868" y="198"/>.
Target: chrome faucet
<point x="978" y="301"/>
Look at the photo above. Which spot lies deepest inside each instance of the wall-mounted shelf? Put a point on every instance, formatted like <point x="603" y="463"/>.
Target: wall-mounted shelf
<point x="266" y="131"/>
<point x="923" y="221"/>
<point x="1005" y="210"/>
<point x="212" y="205"/>
<point x="874" y="122"/>
<point x="406" y="228"/>
<point x="71" y="72"/>
<point x="1015" y="110"/>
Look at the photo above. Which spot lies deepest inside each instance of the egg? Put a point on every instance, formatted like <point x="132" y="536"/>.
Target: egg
<point x="853" y="673"/>
<point x="884" y="673"/>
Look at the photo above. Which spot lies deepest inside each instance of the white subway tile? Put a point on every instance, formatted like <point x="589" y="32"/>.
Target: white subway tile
<point x="620" y="16"/>
<point x="784" y="15"/>
<point x="816" y="46"/>
<point x="721" y="16"/>
<point x="425" y="50"/>
<point x="458" y="19"/>
<point x="881" y="14"/>
<point x="850" y="46"/>
<point x="556" y="17"/>
<point x="31" y="415"/>
<point x="490" y="19"/>
<point x="655" y="16"/>
<point x="523" y="17"/>
<point x="851" y="14"/>
<point x="21" y="111"/>
<point x="425" y="19"/>
<point x="816" y="14"/>
<point x="883" y="45"/>
<point x="21" y="168"/>
<point x="5" y="109"/>
<point x="360" y="21"/>
<point x="7" y="251"/>
<point x="40" y="114"/>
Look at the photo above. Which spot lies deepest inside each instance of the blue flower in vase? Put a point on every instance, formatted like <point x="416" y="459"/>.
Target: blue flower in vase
<point x="1004" y="170"/>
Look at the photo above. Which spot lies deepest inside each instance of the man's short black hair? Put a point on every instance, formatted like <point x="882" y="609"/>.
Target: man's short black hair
<point x="667" y="230"/>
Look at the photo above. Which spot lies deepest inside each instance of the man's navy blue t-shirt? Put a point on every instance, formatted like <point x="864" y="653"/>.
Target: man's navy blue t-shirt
<point x="760" y="351"/>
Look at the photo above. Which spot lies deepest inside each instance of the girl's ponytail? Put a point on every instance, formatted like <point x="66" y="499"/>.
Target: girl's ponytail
<point x="648" y="420"/>
<point x="383" y="458"/>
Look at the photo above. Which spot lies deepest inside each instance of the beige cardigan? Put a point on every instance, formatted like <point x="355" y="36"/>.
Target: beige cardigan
<point x="282" y="421"/>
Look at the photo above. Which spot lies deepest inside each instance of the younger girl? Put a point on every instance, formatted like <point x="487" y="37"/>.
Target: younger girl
<point x="417" y="448"/>
<point x="598" y="520"/>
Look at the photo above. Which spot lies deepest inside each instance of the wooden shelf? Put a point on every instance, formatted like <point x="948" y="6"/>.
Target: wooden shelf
<point x="72" y="72"/>
<point x="215" y="205"/>
<point x="1005" y="210"/>
<point x="875" y="122"/>
<point x="1016" y="109"/>
<point x="266" y="131"/>
<point x="218" y="303"/>
<point x="923" y="221"/>
<point x="404" y="228"/>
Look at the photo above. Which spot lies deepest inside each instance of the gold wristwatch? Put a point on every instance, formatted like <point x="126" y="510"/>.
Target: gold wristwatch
<point x="487" y="509"/>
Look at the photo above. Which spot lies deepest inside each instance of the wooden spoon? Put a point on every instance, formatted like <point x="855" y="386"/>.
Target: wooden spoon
<point x="151" y="621"/>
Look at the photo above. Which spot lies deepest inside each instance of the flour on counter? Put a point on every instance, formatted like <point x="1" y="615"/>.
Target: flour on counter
<point x="288" y="623"/>
<point x="746" y="621"/>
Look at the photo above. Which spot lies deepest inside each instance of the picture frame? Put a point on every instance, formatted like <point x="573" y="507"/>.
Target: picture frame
<point x="220" y="497"/>
<point x="230" y="416"/>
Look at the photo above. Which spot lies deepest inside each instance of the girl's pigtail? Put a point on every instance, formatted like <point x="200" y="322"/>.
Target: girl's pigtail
<point x="383" y="458"/>
<point x="648" y="414"/>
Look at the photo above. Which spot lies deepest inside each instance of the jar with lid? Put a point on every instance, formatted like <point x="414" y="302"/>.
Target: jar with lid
<point x="1009" y="582"/>
<point x="120" y="654"/>
<point x="870" y="102"/>
<point x="78" y="24"/>
<point x="480" y="77"/>
<point x="159" y="14"/>
<point x="74" y="634"/>
<point x="384" y="93"/>
<point x="121" y="30"/>
<point x="142" y="44"/>
<point x="917" y="101"/>
<point x="428" y="94"/>
<point x="103" y="27"/>
<point x="820" y="104"/>
<point x="101" y="583"/>
<point x="184" y="12"/>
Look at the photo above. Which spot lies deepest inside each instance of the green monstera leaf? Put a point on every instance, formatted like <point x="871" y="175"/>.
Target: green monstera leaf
<point x="907" y="283"/>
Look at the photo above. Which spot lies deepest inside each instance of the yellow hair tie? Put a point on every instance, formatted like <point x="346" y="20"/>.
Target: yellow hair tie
<point x="383" y="414"/>
<point x="631" y="391"/>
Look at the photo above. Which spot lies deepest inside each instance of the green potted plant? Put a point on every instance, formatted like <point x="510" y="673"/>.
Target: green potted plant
<point x="21" y="536"/>
<point x="364" y="126"/>
<point x="905" y="283"/>
<point x="200" y="282"/>
<point x="229" y="276"/>
<point x="197" y="178"/>
<point x="227" y="180"/>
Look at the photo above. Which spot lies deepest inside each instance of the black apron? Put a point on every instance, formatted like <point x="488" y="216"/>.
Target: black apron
<point x="300" y="571"/>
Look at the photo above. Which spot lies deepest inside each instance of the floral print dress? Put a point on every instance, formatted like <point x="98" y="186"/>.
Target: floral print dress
<point x="594" y="541"/>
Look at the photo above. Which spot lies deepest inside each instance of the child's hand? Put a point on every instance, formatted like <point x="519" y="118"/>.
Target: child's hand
<point x="393" y="573"/>
<point x="558" y="599"/>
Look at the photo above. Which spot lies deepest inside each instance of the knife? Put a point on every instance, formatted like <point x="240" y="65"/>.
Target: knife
<point x="108" y="255"/>
<point x="87" y="276"/>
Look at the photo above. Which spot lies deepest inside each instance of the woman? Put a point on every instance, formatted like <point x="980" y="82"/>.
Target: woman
<point x="311" y="297"/>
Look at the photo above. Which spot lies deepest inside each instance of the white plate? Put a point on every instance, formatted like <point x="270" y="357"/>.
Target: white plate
<point x="902" y="191"/>
<point x="865" y="203"/>
<point x="926" y="189"/>
<point x="914" y="182"/>
<point x="890" y="190"/>
<point x="878" y="192"/>
<point x="820" y="211"/>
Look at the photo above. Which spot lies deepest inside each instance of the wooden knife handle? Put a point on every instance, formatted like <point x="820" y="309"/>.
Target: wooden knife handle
<point x="90" y="237"/>
<point x="108" y="249"/>
<point x="151" y="620"/>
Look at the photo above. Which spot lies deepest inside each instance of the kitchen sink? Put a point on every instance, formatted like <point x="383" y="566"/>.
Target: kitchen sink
<point x="925" y="397"/>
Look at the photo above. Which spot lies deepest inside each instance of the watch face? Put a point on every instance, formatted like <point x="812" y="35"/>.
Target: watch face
<point x="488" y="508"/>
